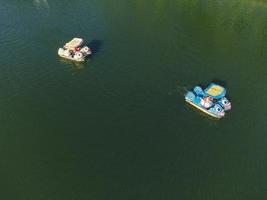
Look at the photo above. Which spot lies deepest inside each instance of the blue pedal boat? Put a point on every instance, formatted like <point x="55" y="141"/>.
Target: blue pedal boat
<point x="211" y="100"/>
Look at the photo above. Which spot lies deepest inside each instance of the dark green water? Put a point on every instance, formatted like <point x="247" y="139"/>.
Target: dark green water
<point x="117" y="127"/>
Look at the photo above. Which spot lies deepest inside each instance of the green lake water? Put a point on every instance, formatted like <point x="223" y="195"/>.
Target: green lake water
<point x="117" y="126"/>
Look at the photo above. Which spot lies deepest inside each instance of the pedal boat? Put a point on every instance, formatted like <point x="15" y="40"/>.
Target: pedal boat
<point x="211" y="100"/>
<point x="74" y="50"/>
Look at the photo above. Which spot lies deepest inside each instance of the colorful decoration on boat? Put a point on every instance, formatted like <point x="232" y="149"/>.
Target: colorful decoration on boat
<point x="211" y="100"/>
<point x="73" y="50"/>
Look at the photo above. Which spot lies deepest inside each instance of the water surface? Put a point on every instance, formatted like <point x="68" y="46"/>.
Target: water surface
<point x="117" y="126"/>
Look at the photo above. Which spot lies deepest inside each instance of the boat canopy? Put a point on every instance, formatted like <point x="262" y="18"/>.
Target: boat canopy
<point x="75" y="42"/>
<point x="215" y="91"/>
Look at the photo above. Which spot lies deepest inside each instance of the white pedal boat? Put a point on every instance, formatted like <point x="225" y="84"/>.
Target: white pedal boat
<point x="73" y="50"/>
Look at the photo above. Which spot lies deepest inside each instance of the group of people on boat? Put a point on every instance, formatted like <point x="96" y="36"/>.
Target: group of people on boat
<point x="211" y="100"/>
<point x="207" y="102"/>
<point x="76" y="49"/>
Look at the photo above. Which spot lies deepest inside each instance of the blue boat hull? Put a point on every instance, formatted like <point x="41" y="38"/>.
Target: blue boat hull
<point x="203" y="109"/>
<point x="196" y="99"/>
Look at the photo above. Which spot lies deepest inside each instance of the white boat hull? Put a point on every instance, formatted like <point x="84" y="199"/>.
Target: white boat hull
<point x="71" y="58"/>
<point x="203" y="110"/>
<point x="74" y="50"/>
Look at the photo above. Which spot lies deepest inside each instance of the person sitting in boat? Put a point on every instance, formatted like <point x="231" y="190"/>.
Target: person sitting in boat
<point x="71" y="53"/>
<point x="77" y="49"/>
<point x="207" y="102"/>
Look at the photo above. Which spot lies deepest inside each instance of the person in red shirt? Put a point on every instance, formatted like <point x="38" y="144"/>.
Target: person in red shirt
<point x="77" y="48"/>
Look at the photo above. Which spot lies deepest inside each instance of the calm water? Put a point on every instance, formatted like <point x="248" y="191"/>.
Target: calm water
<point x="117" y="127"/>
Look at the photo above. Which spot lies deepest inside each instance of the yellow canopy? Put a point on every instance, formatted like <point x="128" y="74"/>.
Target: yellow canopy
<point x="215" y="90"/>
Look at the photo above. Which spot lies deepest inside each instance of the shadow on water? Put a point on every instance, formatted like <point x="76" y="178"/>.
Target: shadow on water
<point x="222" y="83"/>
<point x="216" y="81"/>
<point x="219" y="82"/>
<point x="95" y="46"/>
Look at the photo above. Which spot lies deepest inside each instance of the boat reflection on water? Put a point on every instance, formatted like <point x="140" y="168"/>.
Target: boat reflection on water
<point x="76" y="65"/>
<point x="41" y="4"/>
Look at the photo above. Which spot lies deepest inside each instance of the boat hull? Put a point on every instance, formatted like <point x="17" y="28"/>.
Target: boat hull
<point x="74" y="50"/>
<point x="71" y="58"/>
<point x="203" y="109"/>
